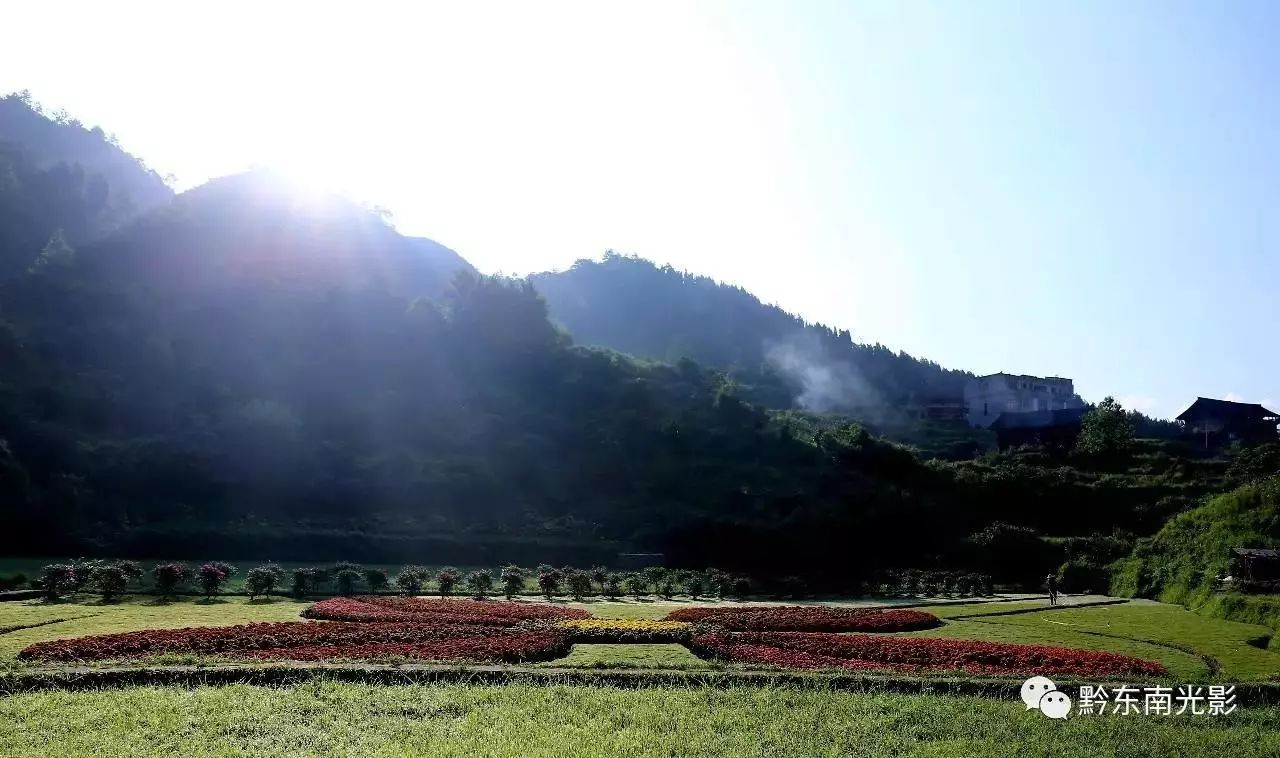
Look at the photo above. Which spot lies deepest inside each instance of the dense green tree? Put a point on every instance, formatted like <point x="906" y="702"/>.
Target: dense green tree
<point x="1107" y="430"/>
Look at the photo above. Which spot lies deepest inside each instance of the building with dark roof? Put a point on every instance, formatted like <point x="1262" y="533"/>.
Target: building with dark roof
<point x="1055" y="429"/>
<point x="1216" y="423"/>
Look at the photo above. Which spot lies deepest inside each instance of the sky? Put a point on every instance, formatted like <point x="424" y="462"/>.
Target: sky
<point x="1083" y="189"/>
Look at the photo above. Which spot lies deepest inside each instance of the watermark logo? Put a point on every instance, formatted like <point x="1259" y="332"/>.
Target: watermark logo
<point x="1040" y="693"/>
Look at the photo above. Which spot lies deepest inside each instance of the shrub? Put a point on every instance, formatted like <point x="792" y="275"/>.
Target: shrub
<point x="693" y="585"/>
<point x="613" y="586"/>
<point x="304" y="581"/>
<point x="447" y="579"/>
<point x="169" y="577"/>
<point x="637" y="585"/>
<point x="376" y="579"/>
<point x="579" y="584"/>
<point x="599" y="575"/>
<point x="110" y="579"/>
<point x="549" y="582"/>
<point x="512" y="580"/>
<point x="654" y="576"/>
<point x="410" y="580"/>
<point x="212" y="578"/>
<point x="262" y="580"/>
<point x="346" y="580"/>
<point x="1083" y="576"/>
<point x="717" y="581"/>
<point x="227" y="569"/>
<point x="59" y="579"/>
<point x="741" y="587"/>
<point x="481" y="582"/>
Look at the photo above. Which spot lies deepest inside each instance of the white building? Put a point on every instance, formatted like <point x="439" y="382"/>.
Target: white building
<point x="986" y="397"/>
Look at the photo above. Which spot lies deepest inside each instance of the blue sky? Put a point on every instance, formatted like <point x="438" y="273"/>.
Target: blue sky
<point x="1084" y="189"/>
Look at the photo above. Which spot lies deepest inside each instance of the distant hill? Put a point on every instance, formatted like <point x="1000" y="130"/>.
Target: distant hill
<point x="256" y="225"/>
<point x="52" y="139"/>
<point x="632" y="305"/>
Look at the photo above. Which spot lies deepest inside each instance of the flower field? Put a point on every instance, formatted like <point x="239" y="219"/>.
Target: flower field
<point x="303" y="640"/>
<point x="860" y="651"/>
<point x="799" y="618"/>
<point x="460" y="612"/>
<point x="805" y="637"/>
<point x="593" y="630"/>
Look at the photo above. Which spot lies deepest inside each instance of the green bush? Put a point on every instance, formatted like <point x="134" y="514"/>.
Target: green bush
<point x="376" y="579"/>
<point x="262" y="580"/>
<point x="1083" y="576"/>
<point x="346" y="579"/>
<point x="169" y="577"/>
<point x="446" y="580"/>
<point x="58" y="580"/>
<point x="480" y="582"/>
<point x="410" y="580"/>
<point x="304" y="581"/>
<point x="613" y="586"/>
<point x="579" y="583"/>
<point x="512" y="580"/>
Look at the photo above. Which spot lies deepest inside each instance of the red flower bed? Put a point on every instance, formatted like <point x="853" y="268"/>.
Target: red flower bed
<point x="808" y="650"/>
<point x="804" y="618"/>
<point x="292" y="639"/>
<point x="452" y="612"/>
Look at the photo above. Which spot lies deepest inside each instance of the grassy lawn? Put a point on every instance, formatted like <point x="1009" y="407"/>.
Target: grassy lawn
<point x="132" y="613"/>
<point x="631" y="656"/>
<point x="1140" y="628"/>
<point x="329" y="719"/>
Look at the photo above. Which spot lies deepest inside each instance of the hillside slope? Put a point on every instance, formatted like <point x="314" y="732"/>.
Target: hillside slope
<point x="632" y="305"/>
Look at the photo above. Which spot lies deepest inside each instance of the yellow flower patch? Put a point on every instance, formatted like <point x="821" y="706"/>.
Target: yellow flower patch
<point x="623" y="625"/>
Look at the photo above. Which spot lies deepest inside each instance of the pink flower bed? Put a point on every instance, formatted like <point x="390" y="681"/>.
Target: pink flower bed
<point x="443" y="611"/>
<point x="859" y="651"/>
<point x="805" y="618"/>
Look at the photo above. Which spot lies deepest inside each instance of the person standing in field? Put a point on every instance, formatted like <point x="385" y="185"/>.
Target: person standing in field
<point x="1052" y="582"/>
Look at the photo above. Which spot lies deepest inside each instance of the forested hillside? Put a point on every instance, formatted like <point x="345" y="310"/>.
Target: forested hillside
<point x="275" y="373"/>
<point x="249" y="369"/>
<point x="632" y="305"/>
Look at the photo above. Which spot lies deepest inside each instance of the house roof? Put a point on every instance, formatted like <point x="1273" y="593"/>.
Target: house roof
<point x="1257" y="552"/>
<point x="1207" y="406"/>
<point x="1039" y="419"/>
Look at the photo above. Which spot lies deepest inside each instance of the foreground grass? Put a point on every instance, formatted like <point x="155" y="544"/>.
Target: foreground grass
<point x="329" y="719"/>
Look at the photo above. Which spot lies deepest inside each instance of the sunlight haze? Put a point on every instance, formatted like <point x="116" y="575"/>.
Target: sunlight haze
<point x="1072" y="190"/>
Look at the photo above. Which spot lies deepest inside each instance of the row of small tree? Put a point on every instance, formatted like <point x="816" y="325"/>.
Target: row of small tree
<point x="112" y="578"/>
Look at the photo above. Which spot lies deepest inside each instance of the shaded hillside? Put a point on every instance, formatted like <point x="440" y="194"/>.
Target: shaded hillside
<point x="284" y="374"/>
<point x="632" y="305"/>
<point x="49" y="140"/>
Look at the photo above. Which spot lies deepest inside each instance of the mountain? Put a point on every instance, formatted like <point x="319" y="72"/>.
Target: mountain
<point x="56" y="140"/>
<point x="257" y="370"/>
<point x="634" y="306"/>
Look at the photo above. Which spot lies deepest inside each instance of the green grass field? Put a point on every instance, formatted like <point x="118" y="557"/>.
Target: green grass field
<point x="329" y="719"/>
